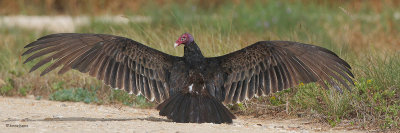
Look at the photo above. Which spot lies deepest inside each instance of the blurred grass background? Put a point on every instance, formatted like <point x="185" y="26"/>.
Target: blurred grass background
<point x="364" y="33"/>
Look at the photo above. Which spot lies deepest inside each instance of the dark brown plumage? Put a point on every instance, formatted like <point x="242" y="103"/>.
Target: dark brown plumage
<point x="192" y="88"/>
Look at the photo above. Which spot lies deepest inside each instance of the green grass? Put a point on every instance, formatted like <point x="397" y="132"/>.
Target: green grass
<point x="129" y="100"/>
<point x="366" y="38"/>
<point x="7" y="87"/>
<point x="75" y="95"/>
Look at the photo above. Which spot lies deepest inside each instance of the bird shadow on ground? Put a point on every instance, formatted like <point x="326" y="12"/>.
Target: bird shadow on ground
<point x="150" y="118"/>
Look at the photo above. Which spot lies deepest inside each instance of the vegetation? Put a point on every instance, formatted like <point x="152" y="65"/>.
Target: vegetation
<point x="75" y="95"/>
<point x="363" y="33"/>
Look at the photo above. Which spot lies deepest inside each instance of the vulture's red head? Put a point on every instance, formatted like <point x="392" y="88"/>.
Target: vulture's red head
<point x="185" y="38"/>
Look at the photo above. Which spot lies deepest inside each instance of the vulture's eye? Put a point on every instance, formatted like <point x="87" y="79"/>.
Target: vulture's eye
<point x="183" y="38"/>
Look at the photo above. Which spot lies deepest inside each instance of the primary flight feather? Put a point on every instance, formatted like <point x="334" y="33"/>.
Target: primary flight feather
<point x="192" y="88"/>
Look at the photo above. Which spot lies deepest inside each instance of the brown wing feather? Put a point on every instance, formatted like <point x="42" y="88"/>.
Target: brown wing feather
<point x="120" y="62"/>
<point x="270" y="66"/>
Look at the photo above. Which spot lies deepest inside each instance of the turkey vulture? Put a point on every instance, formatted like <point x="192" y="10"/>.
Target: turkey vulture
<point x="192" y="88"/>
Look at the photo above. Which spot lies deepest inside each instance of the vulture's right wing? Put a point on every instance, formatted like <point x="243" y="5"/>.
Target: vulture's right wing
<point x="120" y="62"/>
<point x="270" y="66"/>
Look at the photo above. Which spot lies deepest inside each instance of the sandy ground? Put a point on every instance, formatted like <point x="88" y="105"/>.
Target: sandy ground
<point x="31" y="115"/>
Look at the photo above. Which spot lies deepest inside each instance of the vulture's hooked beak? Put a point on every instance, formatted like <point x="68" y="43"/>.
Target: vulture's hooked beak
<point x="176" y="44"/>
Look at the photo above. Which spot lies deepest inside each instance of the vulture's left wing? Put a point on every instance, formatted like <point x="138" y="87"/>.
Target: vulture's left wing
<point x="120" y="62"/>
<point x="270" y="66"/>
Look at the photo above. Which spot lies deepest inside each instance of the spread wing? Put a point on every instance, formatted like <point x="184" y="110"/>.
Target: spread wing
<point x="120" y="62"/>
<point x="270" y="66"/>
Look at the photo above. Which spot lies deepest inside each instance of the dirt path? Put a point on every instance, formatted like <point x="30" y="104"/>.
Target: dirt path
<point x="49" y="116"/>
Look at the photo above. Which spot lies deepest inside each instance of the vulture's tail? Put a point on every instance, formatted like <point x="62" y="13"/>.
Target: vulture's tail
<point x="194" y="108"/>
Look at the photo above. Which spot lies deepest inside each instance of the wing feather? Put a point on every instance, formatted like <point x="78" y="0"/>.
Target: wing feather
<point x="62" y="59"/>
<point x="274" y="81"/>
<point x="270" y="66"/>
<point x="120" y="62"/>
<point x="243" y="93"/>
<point x="126" y="79"/>
<point x="251" y="88"/>
<point x="229" y="97"/>
<point x="103" y="68"/>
